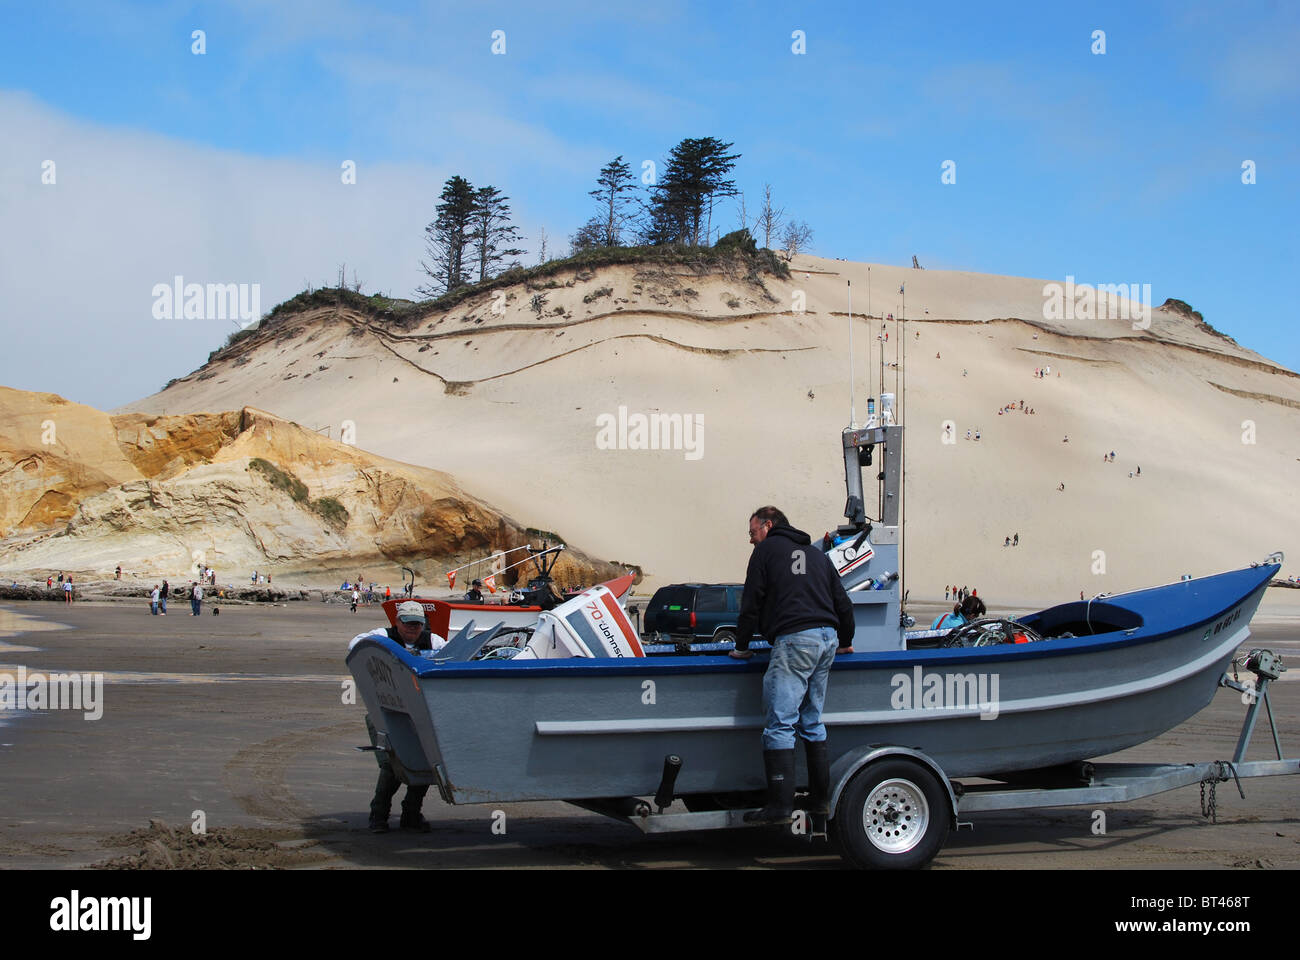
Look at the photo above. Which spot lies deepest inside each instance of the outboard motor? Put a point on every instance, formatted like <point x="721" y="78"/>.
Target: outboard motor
<point x="592" y="624"/>
<point x="852" y="559"/>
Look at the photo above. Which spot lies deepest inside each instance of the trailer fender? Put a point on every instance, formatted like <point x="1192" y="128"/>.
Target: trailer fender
<point x="849" y="764"/>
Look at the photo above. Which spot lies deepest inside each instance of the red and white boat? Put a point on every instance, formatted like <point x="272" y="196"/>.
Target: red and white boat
<point x="517" y="609"/>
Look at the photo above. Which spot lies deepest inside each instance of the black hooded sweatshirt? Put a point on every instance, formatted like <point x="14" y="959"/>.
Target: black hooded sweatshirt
<point x="791" y="586"/>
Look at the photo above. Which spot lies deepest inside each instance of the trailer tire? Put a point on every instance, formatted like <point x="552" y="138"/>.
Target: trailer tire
<point x="893" y="815"/>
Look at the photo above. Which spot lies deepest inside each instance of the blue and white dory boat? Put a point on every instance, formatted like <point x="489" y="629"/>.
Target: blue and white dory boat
<point x="586" y="714"/>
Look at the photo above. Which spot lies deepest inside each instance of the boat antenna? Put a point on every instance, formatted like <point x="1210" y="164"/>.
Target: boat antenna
<point x="902" y="450"/>
<point x="853" y="413"/>
<point x="871" y="387"/>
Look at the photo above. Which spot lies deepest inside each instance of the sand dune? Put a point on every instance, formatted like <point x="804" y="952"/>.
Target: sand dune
<point x="508" y="402"/>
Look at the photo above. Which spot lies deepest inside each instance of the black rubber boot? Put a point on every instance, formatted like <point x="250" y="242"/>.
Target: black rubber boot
<point x="819" y="777"/>
<point x="780" y="788"/>
<point x="411" y="804"/>
<point x="384" y="791"/>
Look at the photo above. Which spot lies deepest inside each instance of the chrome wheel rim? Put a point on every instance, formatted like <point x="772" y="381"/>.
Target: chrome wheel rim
<point x="895" y="816"/>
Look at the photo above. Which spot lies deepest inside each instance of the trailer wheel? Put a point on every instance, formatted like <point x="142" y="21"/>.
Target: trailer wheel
<point x="892" y="816"/>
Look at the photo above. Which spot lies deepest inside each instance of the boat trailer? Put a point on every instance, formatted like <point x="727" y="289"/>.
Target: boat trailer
<point x="892" y="807"/>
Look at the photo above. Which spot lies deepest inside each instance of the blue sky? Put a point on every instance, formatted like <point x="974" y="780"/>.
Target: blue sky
<point x="224" y="167"/>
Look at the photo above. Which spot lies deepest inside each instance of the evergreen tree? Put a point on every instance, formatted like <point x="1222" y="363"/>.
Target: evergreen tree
<point x="590" y="234"/>
<point x="447" y="239"/>
<point x="491" y="232"/>
<point x="681" y="203"/>
<point x="614" y="182"/>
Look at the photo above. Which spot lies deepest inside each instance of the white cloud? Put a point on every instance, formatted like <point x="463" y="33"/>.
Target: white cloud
<point x="130" y="209"/>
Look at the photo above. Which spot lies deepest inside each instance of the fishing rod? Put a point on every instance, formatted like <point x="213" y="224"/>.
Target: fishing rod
<point x="533" y="556"/>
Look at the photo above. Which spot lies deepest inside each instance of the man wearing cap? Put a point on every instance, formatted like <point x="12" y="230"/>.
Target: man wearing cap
<point x="474" y="594"/>
<point x="412" y="631"/>
<point x="794" y="596"/>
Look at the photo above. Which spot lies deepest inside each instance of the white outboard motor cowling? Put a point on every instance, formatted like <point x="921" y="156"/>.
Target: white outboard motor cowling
<point x="592" y="624"/>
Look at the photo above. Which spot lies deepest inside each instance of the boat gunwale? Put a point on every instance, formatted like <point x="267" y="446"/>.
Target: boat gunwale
<point x="424" y="668"/>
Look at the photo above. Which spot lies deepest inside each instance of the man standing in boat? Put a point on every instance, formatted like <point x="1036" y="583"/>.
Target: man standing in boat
<point x="412" y="630"/>
<point x="794" y="598"/>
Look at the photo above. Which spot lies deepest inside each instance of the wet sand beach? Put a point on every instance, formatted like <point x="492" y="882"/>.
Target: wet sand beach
<point x="239" y="720"/>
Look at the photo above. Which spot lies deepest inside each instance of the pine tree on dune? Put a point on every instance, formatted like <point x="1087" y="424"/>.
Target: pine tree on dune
<point x="491" y="231"/>
<point x="448" y="239"/>
<point x="681" y="202"/>
<point x="614" y="186"/>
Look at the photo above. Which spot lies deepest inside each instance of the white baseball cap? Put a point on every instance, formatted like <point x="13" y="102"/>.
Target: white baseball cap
<point x="411" y="612"/>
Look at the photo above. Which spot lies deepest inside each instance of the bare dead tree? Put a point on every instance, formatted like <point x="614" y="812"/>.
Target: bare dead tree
<point x="771" y="218"/>
<point x="796" y="238"/>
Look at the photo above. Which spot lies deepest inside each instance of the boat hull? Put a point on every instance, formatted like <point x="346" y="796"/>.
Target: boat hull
<point x="502" y="731"/>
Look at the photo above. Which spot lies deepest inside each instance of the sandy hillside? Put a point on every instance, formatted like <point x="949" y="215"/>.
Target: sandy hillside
<point x="508" y="403"/>
<point x="240" y="491"/>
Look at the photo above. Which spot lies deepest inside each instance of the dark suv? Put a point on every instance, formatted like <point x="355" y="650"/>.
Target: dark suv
<point x="703" y="612"/>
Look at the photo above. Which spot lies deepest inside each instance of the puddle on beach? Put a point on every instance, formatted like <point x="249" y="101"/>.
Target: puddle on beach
<point x="12" y="623"/>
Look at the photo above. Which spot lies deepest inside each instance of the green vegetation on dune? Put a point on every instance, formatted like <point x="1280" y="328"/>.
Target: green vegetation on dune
<point x="327" y="508"/>
<point x="732" y="253"/>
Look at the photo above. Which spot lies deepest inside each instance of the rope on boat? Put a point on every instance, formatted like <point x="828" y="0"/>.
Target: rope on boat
<point x="1087" y="611"/>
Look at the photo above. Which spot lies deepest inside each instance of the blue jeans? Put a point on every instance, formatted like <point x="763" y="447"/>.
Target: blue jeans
<point x="794" y="686"/>
<point x="162" y="604"/>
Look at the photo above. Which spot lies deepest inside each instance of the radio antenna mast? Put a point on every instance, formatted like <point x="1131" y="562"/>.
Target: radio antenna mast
<point x="853" y="413"/>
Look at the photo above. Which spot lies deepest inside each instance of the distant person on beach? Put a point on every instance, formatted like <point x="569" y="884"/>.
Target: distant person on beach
<point x="1015" y="541"/>
<point x="1139" y="471"/>
<point x="49" y="582"/>
<point x="1006" y="542"/>
<point x="162" y="598"/>
<point x="945" y="593"/>
<point x="67" y="590"/>
<point x="1061" y="488"/>
<point x="356" y="595"/>
<point x="153" y="600"/>
<point x="60" y="578"/>
<point x="412" y="630"/>
<point x="117" y="574"/>
<point x="196" y="598"/>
